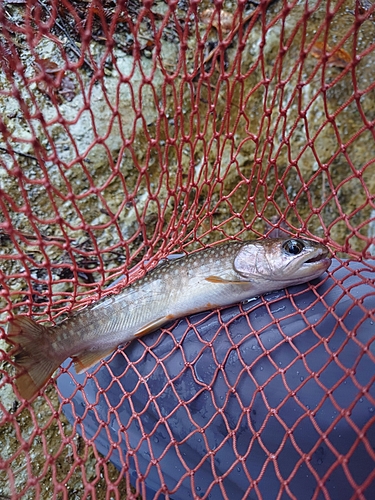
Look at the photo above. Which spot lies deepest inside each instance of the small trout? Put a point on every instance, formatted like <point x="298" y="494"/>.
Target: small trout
<point x="215" y="277"/>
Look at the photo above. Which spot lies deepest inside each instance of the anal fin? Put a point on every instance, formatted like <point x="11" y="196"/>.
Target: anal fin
<point x="84" y="360"/>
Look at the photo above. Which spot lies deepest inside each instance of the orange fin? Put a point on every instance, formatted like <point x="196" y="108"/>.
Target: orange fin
<point x="150" y="327"/>
<point x="33" y="359"/>
<point x="217" y="279"/>
<point x="84" y="360"/>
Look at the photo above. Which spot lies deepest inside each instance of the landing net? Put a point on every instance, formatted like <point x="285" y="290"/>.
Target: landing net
<point x="133" y="130"/>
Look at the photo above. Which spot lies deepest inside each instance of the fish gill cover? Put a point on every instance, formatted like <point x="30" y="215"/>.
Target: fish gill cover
<point x="133" y="130"/>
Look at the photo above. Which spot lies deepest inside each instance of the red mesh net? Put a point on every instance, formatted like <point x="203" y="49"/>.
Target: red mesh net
<point x="133" y="130"/>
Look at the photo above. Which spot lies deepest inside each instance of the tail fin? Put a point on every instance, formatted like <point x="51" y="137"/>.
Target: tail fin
<point x="34" y="360"/>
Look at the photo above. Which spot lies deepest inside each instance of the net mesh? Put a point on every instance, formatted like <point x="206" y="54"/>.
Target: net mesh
<point x="132" y="130"/>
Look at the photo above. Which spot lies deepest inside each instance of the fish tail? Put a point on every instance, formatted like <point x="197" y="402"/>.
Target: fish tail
<point x="35" y="359"/>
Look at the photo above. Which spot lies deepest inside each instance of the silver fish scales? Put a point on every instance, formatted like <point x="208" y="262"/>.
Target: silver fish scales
<point x="215" y="277"/>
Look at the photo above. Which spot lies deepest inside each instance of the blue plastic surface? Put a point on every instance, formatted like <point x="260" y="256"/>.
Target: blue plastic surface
<point x="253" y="371"/>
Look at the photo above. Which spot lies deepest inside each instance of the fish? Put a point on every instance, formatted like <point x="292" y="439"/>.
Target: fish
<point x="215" y="277"/>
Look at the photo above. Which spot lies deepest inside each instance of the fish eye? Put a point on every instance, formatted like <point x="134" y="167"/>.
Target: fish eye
<point x="293" y="247"/>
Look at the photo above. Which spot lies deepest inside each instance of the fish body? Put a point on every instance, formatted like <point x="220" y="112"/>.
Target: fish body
<point x="215" y="277"/>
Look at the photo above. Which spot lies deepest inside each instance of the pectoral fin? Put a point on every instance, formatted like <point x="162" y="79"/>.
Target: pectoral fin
<point x="217" y="279"/>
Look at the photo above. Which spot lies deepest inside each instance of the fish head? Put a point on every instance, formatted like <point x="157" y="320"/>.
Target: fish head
<point x="287" y="260"/>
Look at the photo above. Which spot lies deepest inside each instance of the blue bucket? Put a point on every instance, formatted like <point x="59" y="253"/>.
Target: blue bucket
<point x="238" y="403"/>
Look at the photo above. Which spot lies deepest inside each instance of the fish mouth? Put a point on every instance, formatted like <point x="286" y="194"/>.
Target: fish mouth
<point x="311" y="268"/>
<point x="316" y="258"/>
<point x="320" y="255"/>
<point x="319" y="262"/>
<point x="305" y="267"/>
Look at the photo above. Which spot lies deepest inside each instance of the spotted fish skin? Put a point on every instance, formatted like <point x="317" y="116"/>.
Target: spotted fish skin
<point x="215" y="277"/>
